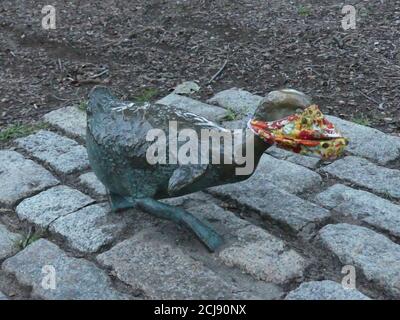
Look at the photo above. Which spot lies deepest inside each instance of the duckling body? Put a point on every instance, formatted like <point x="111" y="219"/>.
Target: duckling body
<point x="117" y="144"/>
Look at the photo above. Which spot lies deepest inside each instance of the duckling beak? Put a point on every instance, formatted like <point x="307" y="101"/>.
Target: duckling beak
<point x="307" y="133"/>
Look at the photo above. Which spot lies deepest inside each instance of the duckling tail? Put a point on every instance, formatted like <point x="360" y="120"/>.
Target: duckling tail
<point x="101" y="98"/>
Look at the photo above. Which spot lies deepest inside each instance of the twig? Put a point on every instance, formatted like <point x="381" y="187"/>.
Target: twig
<point x="89" y="81"/>
<point x="59" y="99"/>
<point x="99" y="74"/>
<point x="215" y="76"/>
<point x="312" y="70"/>
<point x="368" y="97"/>
<point x="60" y="65"/>
<point x="129" y="36"/>
<point x="37" y="82"/>
<point x="118" y="41"/>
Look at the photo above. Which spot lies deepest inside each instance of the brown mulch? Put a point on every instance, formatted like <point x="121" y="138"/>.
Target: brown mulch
<point x="134" y="45"/>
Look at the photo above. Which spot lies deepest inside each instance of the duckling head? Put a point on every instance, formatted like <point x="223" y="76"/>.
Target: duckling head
<point x="280" y="104"/>
<point x="287" y="119"/>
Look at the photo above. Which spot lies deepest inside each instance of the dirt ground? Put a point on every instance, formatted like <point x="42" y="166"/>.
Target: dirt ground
<point x="144" y="48"/>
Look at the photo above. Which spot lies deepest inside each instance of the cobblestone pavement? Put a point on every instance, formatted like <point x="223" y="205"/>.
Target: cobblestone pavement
<point x="289" y="230"/>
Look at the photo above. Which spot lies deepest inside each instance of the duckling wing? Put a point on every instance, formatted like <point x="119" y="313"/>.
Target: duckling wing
<point x="184" y="176"/>
<point x="125" y="132"/>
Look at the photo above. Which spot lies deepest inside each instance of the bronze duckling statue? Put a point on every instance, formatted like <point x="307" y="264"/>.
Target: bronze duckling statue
<point x="118" y="145"/>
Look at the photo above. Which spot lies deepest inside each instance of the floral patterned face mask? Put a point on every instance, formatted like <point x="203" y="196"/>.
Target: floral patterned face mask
<point x="308" y="133"/>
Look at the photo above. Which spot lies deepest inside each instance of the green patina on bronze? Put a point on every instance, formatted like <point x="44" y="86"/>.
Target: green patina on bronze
<point x="117" y="146"/>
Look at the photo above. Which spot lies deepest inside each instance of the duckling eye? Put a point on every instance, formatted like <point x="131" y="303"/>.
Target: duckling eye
<point x="325" y="145"/>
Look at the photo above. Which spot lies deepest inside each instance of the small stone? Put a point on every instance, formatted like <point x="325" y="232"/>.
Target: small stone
<point x="21" y="178"/>
<point x="63" y="154"/>
<point x="305" y="161"/>
<point x="8" y="242"/>
<point x="237" y="100"/>
<point x="187" y="87"/>
<point x="51" y="204"/>
<point x="374" y="254"/>
<point x="91" y="228"/>
<point x="3" y="296"/>
<point x="362" y="206"/>
<point x="324" y="290"/>
<point x="69" y="119"/>
<point x="209" y="112"/>
<point x="76" y="279"/>
<point x="90" y="181"/>
<point x="368" y="142"/>
<point x="366" y="174"/>
<point x="150" y="263"/>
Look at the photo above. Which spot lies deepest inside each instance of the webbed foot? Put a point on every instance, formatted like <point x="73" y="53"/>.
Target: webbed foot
<point x="206" y="234"/>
